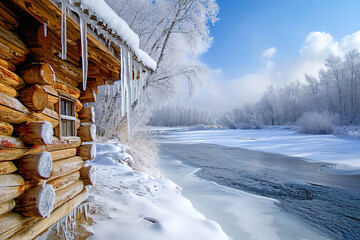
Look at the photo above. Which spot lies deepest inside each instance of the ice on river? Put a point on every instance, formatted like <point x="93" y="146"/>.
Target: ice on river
<point x="325" y="148"/>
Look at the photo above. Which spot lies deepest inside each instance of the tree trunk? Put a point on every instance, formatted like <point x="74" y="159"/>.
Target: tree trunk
<point x="63" y="195"/>
<point x="35" y="98"/>
<point x="36" y="202"/>
<point x="38" y="73"/>
<point x="13" y="111"/>
<point x="87" y="151"/>
<point x="88" y="175"/>
<point x="62" y="182"/>
<point x="6" y="129"/>
<point x="37" y="132"/>
<point x="65" y="153"/>
<point x="66" y="166"/>
<point x="87" y="114"/>
<point x="35" y="166"/>
<point x="87" y="133"/>
<point x="7" y="167"/>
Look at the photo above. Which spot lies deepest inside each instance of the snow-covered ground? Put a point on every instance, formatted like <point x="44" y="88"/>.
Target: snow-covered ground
<point x="343" y="151"/>
<point x="127" y="204"/>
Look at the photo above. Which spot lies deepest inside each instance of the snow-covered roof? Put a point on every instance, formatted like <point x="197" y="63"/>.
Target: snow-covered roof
<point x="115" y="25"/>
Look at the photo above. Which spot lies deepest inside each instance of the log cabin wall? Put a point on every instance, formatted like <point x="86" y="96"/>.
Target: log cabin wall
<point x="42" y="148"/>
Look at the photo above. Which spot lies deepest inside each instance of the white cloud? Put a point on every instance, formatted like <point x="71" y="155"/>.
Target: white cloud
<point x="269" y="53"/>
<point x="220" y="94"/>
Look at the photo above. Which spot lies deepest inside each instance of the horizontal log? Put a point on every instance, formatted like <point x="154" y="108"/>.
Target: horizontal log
<point x="11" y="148"/>
<point x="26" y="223"/>
<point x="87" y="151"/>
<point x="64" y="153"/>
<point x="13" y="111"/>
<point x="48" y="115"/>
<point x="38" y="73"/>
<point x="52" y="95"/>
<point x="63" y="195"/>
<point x="88" y="175"/>
<point x="11" y="180"/>
<point x="62" y="182"/>
<point x="66" y="166"/>
<point x="7" y="167"/>
<point x="78" y="106"/>
<point x="7" y="206"/>
<point x="34" y="98"/>
<point x="11" y="186"/>
<point x="58" y="144"/>
<point x="68" y="89"/>
<point x="36" y="201"/>
<point x="40" y="226"/>
<point x="9" y="221"/>
<point x="8" y="65"/>
<point x="35" y="166"/>
<point x="87" y="133"/>
<point x="6" y="129"/>
<point x="11" y="40"/>
<point x="10" y="55"/>
<point x="8" y="18"/>
<point x="8" y="90"/>
<point x="88" y="96"/>
<point x="37" y="132"/>
<point x="78" y="124"/>
<point x="87" y="114"/>
<point x="11" y="79"/>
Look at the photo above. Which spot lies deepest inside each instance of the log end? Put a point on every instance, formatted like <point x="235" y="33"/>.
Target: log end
<point x="47" y="73"/>
<point x="44" y="166"/>
<point x="46" y="201"/>
<point x="47" y="132"/>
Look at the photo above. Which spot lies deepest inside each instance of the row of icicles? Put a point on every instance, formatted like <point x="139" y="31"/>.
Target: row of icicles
<point x="131" y="87"/>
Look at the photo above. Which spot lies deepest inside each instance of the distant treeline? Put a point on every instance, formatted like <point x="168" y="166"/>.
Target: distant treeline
<point x="171" y="116"/>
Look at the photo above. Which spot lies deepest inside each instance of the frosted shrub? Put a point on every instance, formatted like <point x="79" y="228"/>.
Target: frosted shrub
<point x="317" y="123"/>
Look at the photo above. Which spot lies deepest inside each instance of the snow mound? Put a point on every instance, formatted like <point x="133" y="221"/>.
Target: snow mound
<point x="134" y="205"/>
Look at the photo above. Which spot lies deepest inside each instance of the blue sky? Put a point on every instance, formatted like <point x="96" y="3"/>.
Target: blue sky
<point x="247" y="28"/>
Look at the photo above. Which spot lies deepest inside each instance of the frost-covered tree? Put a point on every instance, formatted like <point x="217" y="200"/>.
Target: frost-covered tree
<point x="173" y="32"/>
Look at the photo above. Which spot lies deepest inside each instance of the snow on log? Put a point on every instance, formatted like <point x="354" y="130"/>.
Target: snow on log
<point x="11" y="148"/>
<point x="13" y="111"/>
<point x="11" y="79"/>
<point x="6" y="129"/>
<point x="35" y="166"/>
<point x="37" y="132"/>
<point x="9" y="221"/>
<point x="7" y="206"/>
<point x="8" y="90"/>
<point x="64" y="153"/>
<point x="36" y="202"/>
<point x="8" y="65"/>
<point x="11" y="186"/>
<point x="58" y="144"/>
<point x="88" y="175"/>
<point x="87" y="151"/>
<point x="63" y="195"/>
<point x="66" y="166"/>
<point x="7" y="167"/>
<point x="67" y="89"/>
<point x="34" y="230"/>
<point x="48" y="115"/>
<point x="88" y="96"/>
<point x="87" y="114"/>
<point x="35" y="98"/>
<point x="62" y="182"/>
<point x="87" y="133"/>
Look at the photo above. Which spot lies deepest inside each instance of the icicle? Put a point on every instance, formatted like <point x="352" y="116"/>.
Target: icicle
<point x="63" y="29"/>
<point x="45" y="29"/>
<point x="128" y="95"/>
<point x="122" y="78"/>
<point x="84" y="45"/>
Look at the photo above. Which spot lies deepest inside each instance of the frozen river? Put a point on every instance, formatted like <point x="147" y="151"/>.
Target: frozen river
<point x="289" y="198"/>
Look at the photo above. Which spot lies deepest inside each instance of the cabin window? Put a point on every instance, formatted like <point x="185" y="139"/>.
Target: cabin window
<point x="67" y="117"/>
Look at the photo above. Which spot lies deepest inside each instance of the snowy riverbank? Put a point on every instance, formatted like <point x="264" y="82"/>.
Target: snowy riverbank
<point x="127" y="204"/>
<point x="343" y="151"/>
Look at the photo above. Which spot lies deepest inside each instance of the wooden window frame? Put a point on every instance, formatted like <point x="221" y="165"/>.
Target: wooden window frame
<point x="67" y="117"/>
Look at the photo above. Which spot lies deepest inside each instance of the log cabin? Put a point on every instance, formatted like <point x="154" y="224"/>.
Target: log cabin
<point x="53" y="56"/>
